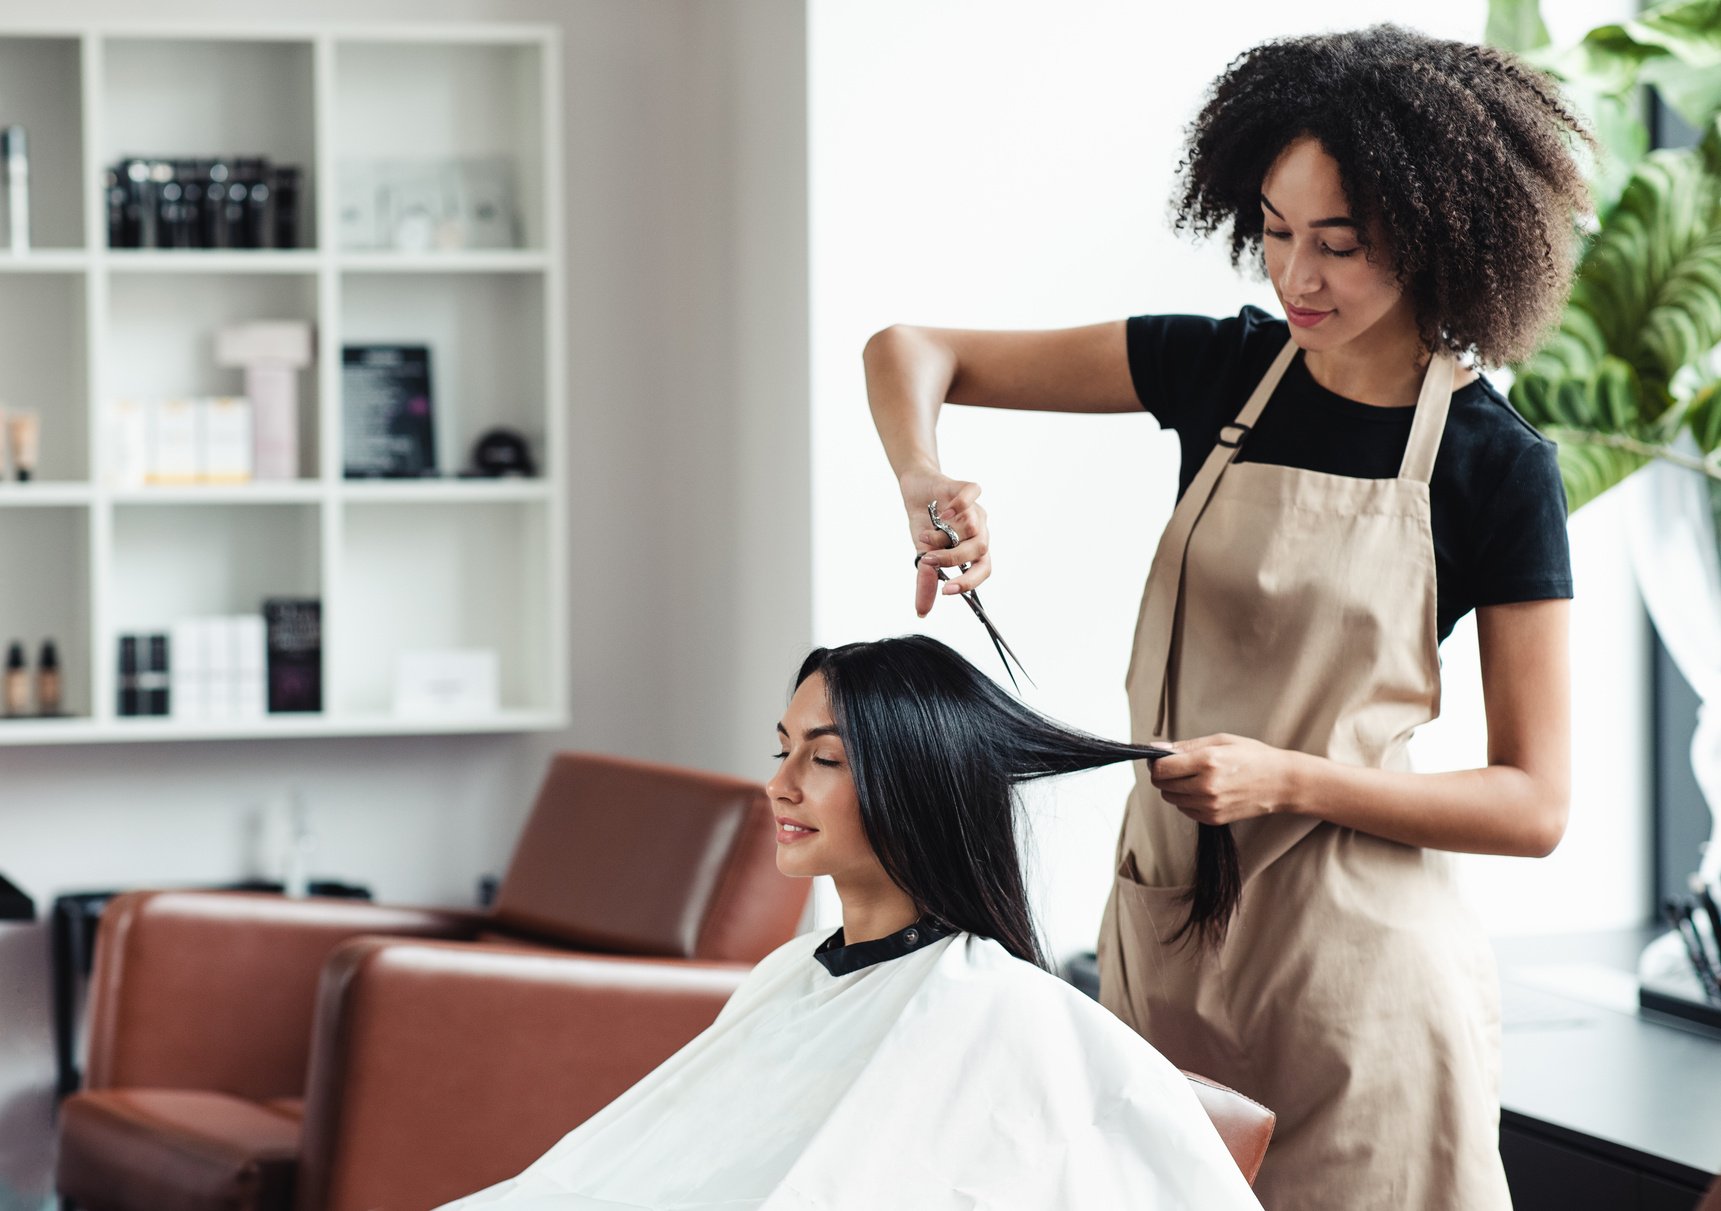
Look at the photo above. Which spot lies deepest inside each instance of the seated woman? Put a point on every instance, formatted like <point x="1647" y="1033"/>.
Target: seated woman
<point x="921" y="1056"/>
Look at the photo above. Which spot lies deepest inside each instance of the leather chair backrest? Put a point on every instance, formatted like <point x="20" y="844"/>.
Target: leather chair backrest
<point x="1244" y="1124"/>
<point x="629" y="857"/>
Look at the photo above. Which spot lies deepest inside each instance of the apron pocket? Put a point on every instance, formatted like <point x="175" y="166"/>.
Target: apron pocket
<point x="1171" y="993"/>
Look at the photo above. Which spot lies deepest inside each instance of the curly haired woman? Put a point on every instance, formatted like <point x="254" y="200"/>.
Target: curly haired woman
<point x="1284" y="917"/>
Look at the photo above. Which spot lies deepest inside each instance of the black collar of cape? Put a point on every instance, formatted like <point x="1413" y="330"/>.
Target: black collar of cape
<point x="839" y="960"/>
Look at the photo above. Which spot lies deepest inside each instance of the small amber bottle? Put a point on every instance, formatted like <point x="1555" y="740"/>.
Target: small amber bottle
<point x="48" y="682"/>
<point x="17" y="687"/>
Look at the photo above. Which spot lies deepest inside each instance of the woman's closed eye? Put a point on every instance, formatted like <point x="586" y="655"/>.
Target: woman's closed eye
<point x="825" y="761"/>
<point x="1330" y="251"/>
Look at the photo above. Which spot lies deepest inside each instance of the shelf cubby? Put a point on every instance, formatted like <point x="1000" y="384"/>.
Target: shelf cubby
<point x="43" y="369"/>
<point x="161" y="336"/>
<point x="204" y="97"/>
<point x="45" y="593"/>
<point x="486" y="337"/>
<point x="483" y="563"/>
<point x="41" y="89"/>
<point x="428" y="100"/>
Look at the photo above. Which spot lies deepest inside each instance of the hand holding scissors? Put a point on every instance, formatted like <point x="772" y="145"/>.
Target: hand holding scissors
<point x="969" y="563"/>
<point x="1005" y="653"/>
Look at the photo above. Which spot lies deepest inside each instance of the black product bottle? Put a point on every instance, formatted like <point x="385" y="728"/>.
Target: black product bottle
<point x="190" y="175"/>
<point x="215" y="234"/>
<point x="115" y="191"/>
<point x="17" y="689"/>
<point x="128" y="689"/>
<point x="247" y="174"/>
<point x="259" y="217"/>
<point x="170" y="225"/>
<point x="287" y="184"/>
<point x="139" y="205"/>
<point x="155" y="678"/>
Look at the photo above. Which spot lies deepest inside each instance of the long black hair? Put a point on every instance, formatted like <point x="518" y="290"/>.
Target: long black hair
<point x="936" y="749"/>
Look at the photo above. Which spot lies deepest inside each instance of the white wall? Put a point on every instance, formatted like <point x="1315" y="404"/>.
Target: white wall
<point x="981" y="163"/>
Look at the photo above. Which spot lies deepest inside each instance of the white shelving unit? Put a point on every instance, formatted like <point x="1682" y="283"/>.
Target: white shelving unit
<point x="398" y="565"/>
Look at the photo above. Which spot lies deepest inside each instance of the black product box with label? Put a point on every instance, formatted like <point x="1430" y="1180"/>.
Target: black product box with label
<point x="295" y="641"/>
<point x="387" y="417"/>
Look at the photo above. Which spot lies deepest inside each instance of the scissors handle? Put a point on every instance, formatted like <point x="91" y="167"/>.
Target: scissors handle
<point x="945" y="528"/>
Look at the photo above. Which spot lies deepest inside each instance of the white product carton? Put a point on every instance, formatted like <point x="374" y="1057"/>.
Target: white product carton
<point x="174" y="442"/>
<point x="188" y="693"/>
<point x="452" y="683"/>
<point x="226" y="440"/>
<point x="128" y="444"/>
<point x="223" y="670"/>
<point x="251" y="681"/>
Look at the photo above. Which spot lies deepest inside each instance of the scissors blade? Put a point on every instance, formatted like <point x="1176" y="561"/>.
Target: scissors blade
<point x="1005" y="652"/>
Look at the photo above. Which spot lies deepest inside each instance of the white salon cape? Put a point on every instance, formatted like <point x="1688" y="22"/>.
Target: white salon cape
<point x="943" y="1076"/>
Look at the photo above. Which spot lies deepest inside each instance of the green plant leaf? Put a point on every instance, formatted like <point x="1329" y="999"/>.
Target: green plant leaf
<point x="1651" y="280"/>
<point x="1703" y="413"/>
<point x="1676" y="46"/>
<point x="1606" y="399"/>
<point x="1608" y="60"/>
<point x="1689" y="30"/>
<point x="1589" y="470"/>
<point x="1516" y="25"/>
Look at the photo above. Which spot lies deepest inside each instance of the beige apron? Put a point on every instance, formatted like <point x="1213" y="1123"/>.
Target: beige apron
<point x="1354" y="994"/>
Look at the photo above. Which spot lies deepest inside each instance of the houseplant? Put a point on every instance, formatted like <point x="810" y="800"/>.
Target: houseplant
<point x="1629" y="383"/>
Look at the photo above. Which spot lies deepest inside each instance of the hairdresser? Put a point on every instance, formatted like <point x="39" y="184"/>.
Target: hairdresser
<point x="1284" y="917"/>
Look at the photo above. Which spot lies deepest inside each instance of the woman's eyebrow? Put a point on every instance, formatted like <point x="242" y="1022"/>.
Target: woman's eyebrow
<point x="813" y="733"/>
<point x="1337" y="220"/>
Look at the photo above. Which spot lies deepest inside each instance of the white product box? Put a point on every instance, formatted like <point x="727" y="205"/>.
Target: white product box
<point x="440" y="684"/>
<point x="251" y="657"/>
<point x="188" y="651"/>
<point x="484" y="202"/>
<point x="418" y="206"/>
<point x="128" y="444"/>
<point x="359" y="221"/>
<point x="223" y="670"/>
<point x="226" y="439"/>
<point x="173" y="442"/>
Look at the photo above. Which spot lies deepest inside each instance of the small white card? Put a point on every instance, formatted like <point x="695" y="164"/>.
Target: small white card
<point x="443" y="684"/>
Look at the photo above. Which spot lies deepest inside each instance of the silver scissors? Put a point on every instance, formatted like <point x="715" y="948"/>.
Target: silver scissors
<point x="1005" y="652"/>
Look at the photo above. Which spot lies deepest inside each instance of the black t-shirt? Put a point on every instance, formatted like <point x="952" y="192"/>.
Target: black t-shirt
<point x="1498" y="510"/>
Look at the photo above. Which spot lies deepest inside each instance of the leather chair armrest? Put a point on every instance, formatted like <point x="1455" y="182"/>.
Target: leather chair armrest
<point x="1244" y="1124"/>
<point x="438" y="1070"/>
<point x="215" y="990"/>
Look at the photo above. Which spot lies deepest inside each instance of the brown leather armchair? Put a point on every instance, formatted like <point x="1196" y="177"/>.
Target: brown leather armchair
<point x="441" y="1069"/>
<point x="205" y="1015"/>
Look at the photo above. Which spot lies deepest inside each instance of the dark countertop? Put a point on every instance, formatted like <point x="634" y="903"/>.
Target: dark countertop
<point x="1581" y="1063"/>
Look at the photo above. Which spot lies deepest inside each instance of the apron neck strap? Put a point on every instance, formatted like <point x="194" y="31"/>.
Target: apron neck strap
<point x="1251" y="410"/>
<point x="1432" y="405"/>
